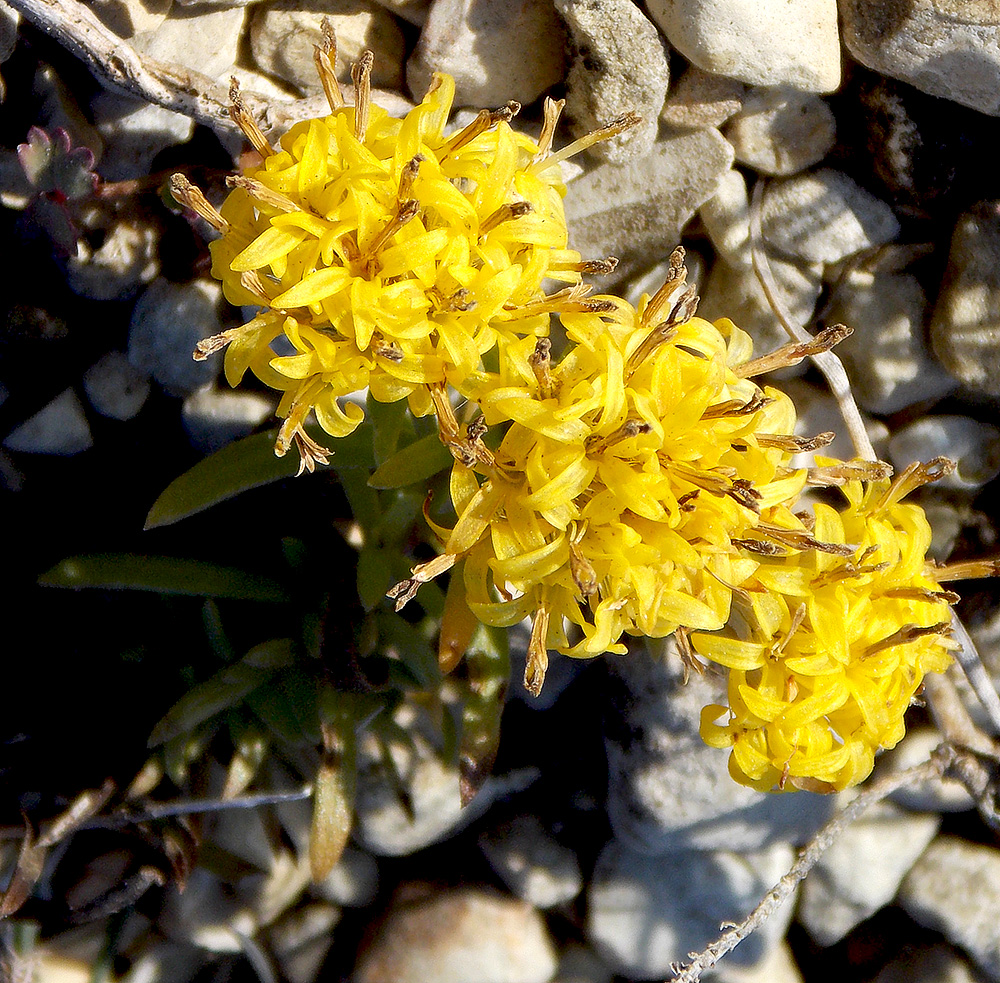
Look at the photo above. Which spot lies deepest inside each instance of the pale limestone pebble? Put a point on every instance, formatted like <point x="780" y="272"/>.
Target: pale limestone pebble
<point x="458" y="935"/>
<point x="823" y="216"/>
<point x="9" y="21"/>
<point x="168" y="320"/>
<point x="770" y="42"/>
<point x="986" y="636"/>
<point x="126" y="260"/>
<point x="726" y="217"/>
<point x="946" y="48"/>
<point x="60" y="427"/>
<point x="862" y="869"/>
<point x="302" y="939"/>
<point x="283" y="34"/>
<point x="933" y="794"/>
<point x="937" y="964"/>
<point x="134" y="132"/>
<point x="701" y="99"/>
<point x="206" y="914"/>
<point x="496" y="50"/>
<point x="637" y="210"/>
<point x="887" y="357"/>
<point x="271" y="892"/>
<point x="532" y="863"/>
<point x="954" y="888"/>
<point x="781" y="131"/>
<point x="580" y="964"/>
<point x="965" y="329"/>
<point x="655" y="748"/>
<point x="620" y="65"/>
<point x="130" y="17"/>
<point x="213" y="417"/>
<point x="777" y="966"/>
<point x="413" y="11"/>
<point x="646" y="913"/>
<point x="734" y="291"/>
<point x="115" y="387"/>
<point x="206" y="41"/>
<point x="974" y="446"/>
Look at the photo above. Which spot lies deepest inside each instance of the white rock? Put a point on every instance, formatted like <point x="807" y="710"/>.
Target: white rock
<point x="933" y="795"/>
<point x="168" y="320"/>
<point x="206" y="915"/>
<point x="974" y="447"/>
<point x="947" y="48"/>
<point x="496" y="50"/>
<point x="59" y="427"/>
<point x="134" y="133"/>
<point x="353" y="882"/>
<point x="823" y="216"/>
<point x="768" y="42"/>
<point x="645" y="913"/>
<point x="414" y="11"/>
<point x="778" y="966"/>
<point x="115" y="387"/>
<point x="130" y="17"/>
<point x="205" y="42"/>
<point x="700" y="99"/>
<point x="954" y="888"/>
<point x="938" y="964"/>
<point x="636" y="211"/>
<point x="283" y="33"/>
<point x="726" y="217"/>
<point x="534" y="865"/>
<point x="887" y="358"/>
<point x="216" y="417"/>
<point x="126" y="259"/>
<point x="781" y="131"/>
<point x="301" y="940"/>
<point x="459" y="935"/>
<point x="862" y="870"/>
<point x="9" y="20"/>
<point x="965" y="329"/>
<point x="620" y="65"/>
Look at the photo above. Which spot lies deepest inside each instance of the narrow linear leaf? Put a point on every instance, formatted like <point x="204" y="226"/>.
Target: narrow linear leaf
<point x="415" y="462"/>
<point x="333" y="792"/>
<point x="162" y="574"/>
<point x="488" y="664"/>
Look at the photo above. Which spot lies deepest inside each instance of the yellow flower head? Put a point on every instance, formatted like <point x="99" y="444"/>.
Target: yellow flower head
<point x="390" y="255"/>
<point x="835" y="640"/>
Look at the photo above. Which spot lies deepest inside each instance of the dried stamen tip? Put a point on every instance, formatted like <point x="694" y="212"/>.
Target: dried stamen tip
<point x="908" y="633"/>
<point x="582" y="571"/>
<point x="675" y="279"/>
<point x="361" y="75"/>
<point x="190" y="196"/>
<point x="595" y="444"/>
<point x="967" y="570"/>
<point x="538" y="656"/>
<point x="597" y="267"/>
<point x="540" y="361"/>
<point x="565" y="301"/>
<point x="505" y="213"/>
<point x="251" y="282"/>
<point x="245" y="121"/>
<point x="406" y="212"/>
<point x="795" y="352"/>
<point x="624" y="122"/>
<point x="835" y="475"/>
<point x="406" y="590"/>
<point x="408" y="175"/>
<point x="262" y="194"/>
<point x="913" y="477"/>
<point x="736" y="407"/>
<point x="682" y="312"/>
<point x="800" y="539"/>
<point x="796" y="445"/>
<point x="209" y="346"/>
<point x="551" y="111"/>
<point x="325" y="57"/>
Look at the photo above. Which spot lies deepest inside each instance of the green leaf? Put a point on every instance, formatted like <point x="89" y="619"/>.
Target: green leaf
<point x="245" y="464"/>
<point x="416" y="462"/>
<point x="162" y="574"/>
<point x="54" y="166"/>
<point x="374" y="575"/>
<point x="225" y="689"/>
<point x="488" y="665"/>
<point x="388" y="423"/>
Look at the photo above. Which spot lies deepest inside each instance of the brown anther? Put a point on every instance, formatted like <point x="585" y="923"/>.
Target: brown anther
<point x="538" y="655"/>
<point x="405" y="212"/>
<point x="361" y="75"/>
<point x="967" y="570"/>
<point x="689" y="661"/>
<point x="485" y="120"/>
<point x="616" y="126"/>
<point x="565" y="301"/>
<point x="596" y="444"/>
<point x="913" y="477"/>
<point x="456" y="303"/>
<point x="798" y="616"/>
<point x="597" y="267"/>
<point x="835" y="475"/>
<point x="406" y="590"/>
<point x="190" y="196"/>
<point x="262" y="194"/>
<point x="759" y="547"/>
<point x="675" y="279"/>
<point x="681" y="312"/>
<point x="924" y="594"/>
<point x="801" y="539"/>
<point x="209" y="346"/>
<point x="582" y="571"/>
<point x="551" y="111"/>
<point x="743" y="493"/>
<point x="908" y="633"/>
<point x="793" y="444"/>
<point x="505" y="213"/>
<point x="734" y="407"/>
<point x="387" y="350"/>
<point x="244" y="120"/>
<point x="325" y="58"/>
<point x="794" y="352"/>
<point x="540" y="361"/>
<point x="408" y="175"/>
<point x="251" y="282"/>
<point x="686" y="503"/>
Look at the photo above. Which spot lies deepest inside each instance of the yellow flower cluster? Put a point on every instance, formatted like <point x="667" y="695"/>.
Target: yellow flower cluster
<point x="640" y="484"/>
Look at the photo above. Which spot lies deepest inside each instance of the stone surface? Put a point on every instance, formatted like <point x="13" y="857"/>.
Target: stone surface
<point x="204" y="41"/>
<point x="769" y="42"/>
<point x="654" y="750"/>
<point x="301" y="941"/>
<point x="620" y="65"/>
<point x="933" y="795"/>
<point x="168" y="320"/>
<point x="781" y="131"/>
<point x="645" y="913"/>
<point x="283" y="33"/>
<point x="965" y="329"/>
<point x="130" y="17"/>
<point x="206" y="914"/>
<point x="59" y="427"/>
<point x="636" y="211"/>
<point x="777" y="966"/>
<point x="954" y="888"/>
<point x="948" y="48"/>
<point x="9" y="20"/>
<point x="532" y="863"/>
<point x="726" y="217"/>
<point x="115" y="387"/>
<point x="974" y="447"/>
<point x="887" y="358"/>
<point x="579" y="964"/>
<point x="459" y="935"/>
<point x="823" y="216"/>
<point x="471" y="41"/>
<point x="700" y="99"/>
<point x="216" y="417"/>
<point x="938" y="964"/>
<point x="413" y="11"/>
<point x="127" y="259"/>
<point x="862" y="870"/>
<point x="134" y="133"/>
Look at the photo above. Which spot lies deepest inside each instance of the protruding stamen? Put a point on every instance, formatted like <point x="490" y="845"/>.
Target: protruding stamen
<point x="835" y="475"/>
<point x="616" y="126"/>
<point x="798" y="616"/>
<point x="408" y="175"/>
<point x="406" y="212"/>
<point x="538" y="655"/>
<point x="913" y="477"/>
<point x="796" y="445"/>
<point x="682" y="312"/>
<point x="793" y="353"/>
<point x="361" y="75"/>
<point x="540" y="361"/>
<point x="244" y="120"/>
<point x="582" y="571"/>
<point x="675" y="279"/>
<point x="209" y="346"/>
<point x="908" y="633"/>
<point x="505" y="213"/>
<point x="927" y="595"/>
<point x="387" y="350"/>
<point x="735" y="407"/>
<point x="190" y="196"/>
<point x="967" y="570"/>
<point x="252" y="283"/>
<point x="486" y="119"/>
<point x="325" y="57"/>
<point x="406" y="590"/>
<point x="596" y="444"/>
<point x="551" y="111"/>
<point x="293" y="430"/>
<point x="565" y="301"/>
<point x="801" y="539"/>
<point x="456" y="303"/>
<point x="596" y="267"/>
<point x="263" y="194"/>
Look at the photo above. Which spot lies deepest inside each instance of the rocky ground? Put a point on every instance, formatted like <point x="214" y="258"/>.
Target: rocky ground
<point x="609" y="841"/>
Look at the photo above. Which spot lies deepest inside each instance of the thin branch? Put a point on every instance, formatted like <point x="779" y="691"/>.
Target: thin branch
<point x="935" y="766"/>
